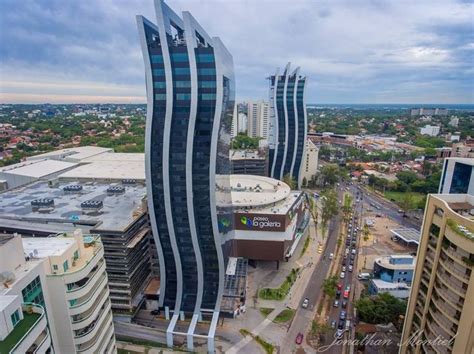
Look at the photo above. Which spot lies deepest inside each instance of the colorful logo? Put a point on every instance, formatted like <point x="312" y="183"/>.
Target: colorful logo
<point x="224" y="222"/>
<point x="246" y="221"/>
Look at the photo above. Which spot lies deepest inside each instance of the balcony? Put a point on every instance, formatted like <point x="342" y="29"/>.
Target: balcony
<point x="26" y="332"/>
<point x="452" y="300"/>
<point x="80" y="288"/>
<point x="104" y="331"/>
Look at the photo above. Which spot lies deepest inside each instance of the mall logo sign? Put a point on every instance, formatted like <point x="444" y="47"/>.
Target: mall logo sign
<point x="259" y="222"/>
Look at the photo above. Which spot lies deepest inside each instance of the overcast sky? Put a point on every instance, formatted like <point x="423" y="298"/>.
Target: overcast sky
<point x="78" y="51"/>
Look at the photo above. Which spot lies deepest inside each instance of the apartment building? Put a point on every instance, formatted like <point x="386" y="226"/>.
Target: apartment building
<point x="310" y="161"/>
<point x="258" y="119"/>
<point x="440" y="307"/>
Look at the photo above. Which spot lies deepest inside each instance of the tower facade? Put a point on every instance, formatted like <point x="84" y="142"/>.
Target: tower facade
<point x="288" y="122"/>
<point x="440" y="314"/>
<point x="190" y="103"/>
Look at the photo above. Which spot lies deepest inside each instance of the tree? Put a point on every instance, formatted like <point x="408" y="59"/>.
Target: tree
<point x="330" y="205"/>
<point x="329" y="286"/>
<point x="407" y="202"/>
<point x="243" y="141"/>
<point x="304" y="183"/>
<point x="329" y="175"/>
<point x="290" y="180"/>
<point x="380" y="309"/>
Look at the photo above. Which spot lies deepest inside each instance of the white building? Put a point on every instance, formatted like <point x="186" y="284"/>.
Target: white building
<point x="431" y="130"/>
<point x="454" y="122"/>
<point x="310" y="161"/>
<point x="66" y="276"/>
<point x="258" y="118"/>
<point x="239" y="122"/>
<point x="457" y="176"/>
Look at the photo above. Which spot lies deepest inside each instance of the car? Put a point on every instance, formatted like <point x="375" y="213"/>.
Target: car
<point x="336" y="303"/>
<point x="339" y="286"/>
<point x="343" y="268"/>
<point x="299" y="338"/>
<point x="352" y="256"/>
<point x="353" y="251"/>
<point x="341" y="324"/>
<point x="339" y="333"/>
<point x="333" y="324"/>
<point x="378" y="215"/>
<point x="350" y="268"/>
<point x="378" y="207"/>
<point x="342" y="315"/>
<point x="320" y="249"/>
<point x="331" y="256"/>
<point x="400" y="211"/>
<point x="305" y="303"/>
<point x="155" y="312"/>
<point x="346" y="294"/>
<point x="348" y="288"/>
<point x="338" y="294"/>
<point x="342" y="275"/>
<point x="351" y="262"/>
<point x="344" y="304"/>
<point x="344" y="260"/>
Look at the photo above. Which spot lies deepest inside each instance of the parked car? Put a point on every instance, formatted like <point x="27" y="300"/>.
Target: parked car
<point x="343" y="268"/>
<point x="336" y="303"/>
<point x="342" y="275"/>
<point x="305" y="303"/>
<point x="342" y="315"/>
<point x="344" y="304"/>
<point x="339" y="286"/>
<point x="350" y="268"/>
<point x="338" y="294"/>
<point x="299" y="338"/>
<point x="351" y="262"/>
<point x="341" y="324"/>
<point x="346" y="294"/>
<point x="331" y="255"/>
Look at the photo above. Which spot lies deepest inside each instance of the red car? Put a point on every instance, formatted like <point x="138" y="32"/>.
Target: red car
<point x="339" y="286"/>
<point x="346" y="294"/>
<point x="299" y="338"/>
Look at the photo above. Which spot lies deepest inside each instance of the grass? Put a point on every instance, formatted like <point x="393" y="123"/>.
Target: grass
<point x="397" y="197"/>
<point x="268" y="347"/>
<point x="305" y="246"/>
<point x="284" y="316"/>
<point x="145" y="343"/>
<point x="281" y="292"/>
<point x="455" y="227"/>
<point x="265" y="311"/>
<point x="19" y="331"/>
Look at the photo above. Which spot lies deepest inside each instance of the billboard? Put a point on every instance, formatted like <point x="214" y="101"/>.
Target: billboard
<point x="260" y="222"/>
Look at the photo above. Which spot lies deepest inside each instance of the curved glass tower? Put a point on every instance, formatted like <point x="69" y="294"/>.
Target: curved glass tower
<point x="288" y="123"/>
<point x="190" y="97"/>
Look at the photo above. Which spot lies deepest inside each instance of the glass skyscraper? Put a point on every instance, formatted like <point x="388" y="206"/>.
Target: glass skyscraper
<point x="190" y="97"/>
<point x="288" y="122"/>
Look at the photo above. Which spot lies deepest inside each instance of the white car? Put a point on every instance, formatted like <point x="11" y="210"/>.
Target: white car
<point x="353" y="251"/>
<point x="331" y="255"/>
<point x="350" y="268"/>
<point x="343" y="275"/>
<point x="336" y="303"/>
<point x="305" y="303"/>
<point x="343" y="268"/>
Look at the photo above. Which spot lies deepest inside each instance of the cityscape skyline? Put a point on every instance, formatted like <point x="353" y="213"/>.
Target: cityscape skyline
<point x="362" y="53"/>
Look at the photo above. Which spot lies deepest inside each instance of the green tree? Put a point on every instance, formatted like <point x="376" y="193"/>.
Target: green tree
<point x="329" y="286"/>
<point x="290" y="180"/>
<point x="243" y="141"/>
<point x="380" y="309"/>
<point x="407" y="202"/>
<point x="330" y="206"/>
<point x="329" y="175"/>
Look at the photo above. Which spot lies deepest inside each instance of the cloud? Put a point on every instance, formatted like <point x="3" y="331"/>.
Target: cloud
<point x="351" y="51"/>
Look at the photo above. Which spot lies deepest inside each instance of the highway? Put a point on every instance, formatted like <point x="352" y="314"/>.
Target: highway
<point x="303" y="317"/>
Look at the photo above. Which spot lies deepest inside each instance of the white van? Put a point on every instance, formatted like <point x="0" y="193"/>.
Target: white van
<point x="363" y="276"/>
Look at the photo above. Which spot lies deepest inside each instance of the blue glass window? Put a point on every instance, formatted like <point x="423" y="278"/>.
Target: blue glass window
<point x="159" y="84"/>
<point x="158" y="71"/>
<point x="208" y="96"/>
<point x="205" y="58"/>
<point x="183" y="96"/>
<point x="156" y="59"/>
<point x="160" y="96"/>
<point x="207" y="84"/>
<point x="181" y="71"/>
<point x="179" y="57"/>
<point x="182" y="84"/>
<point x="206" y="71"/>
